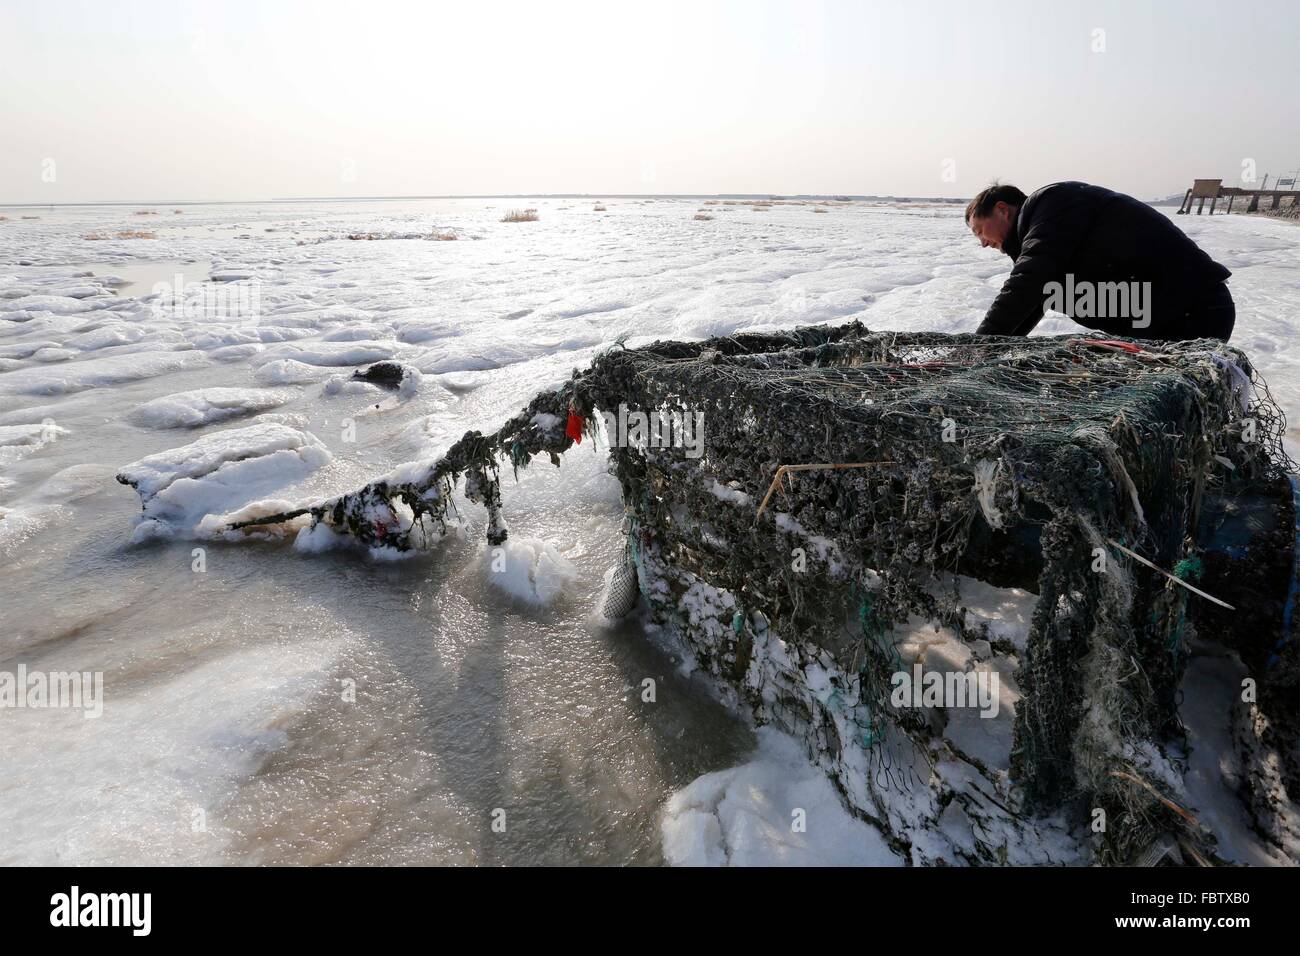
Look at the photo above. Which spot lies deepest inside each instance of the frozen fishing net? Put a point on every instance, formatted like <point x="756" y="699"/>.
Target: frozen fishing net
<point x="1041" y="461"/>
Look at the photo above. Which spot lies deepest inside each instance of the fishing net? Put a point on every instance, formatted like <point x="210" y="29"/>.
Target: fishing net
<point x="794" y="497"/>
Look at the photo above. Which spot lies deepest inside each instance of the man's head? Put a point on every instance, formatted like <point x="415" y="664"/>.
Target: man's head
<point x="992" y="214"/>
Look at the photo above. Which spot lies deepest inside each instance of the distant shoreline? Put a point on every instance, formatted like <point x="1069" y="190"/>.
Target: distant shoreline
<point x="339" y="199"/>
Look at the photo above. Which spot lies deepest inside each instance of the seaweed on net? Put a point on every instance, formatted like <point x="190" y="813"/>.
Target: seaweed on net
<point x="1089" y="441"/>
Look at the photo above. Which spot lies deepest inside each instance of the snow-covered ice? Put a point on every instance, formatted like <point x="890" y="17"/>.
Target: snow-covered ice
<point x="530" y="570"/>
<point x="70" y="375"/>
<point x="219" y="473"/>
<point x="776" y="810"/>
<point x="206" y="405"/>
<point x="223" y="685"/>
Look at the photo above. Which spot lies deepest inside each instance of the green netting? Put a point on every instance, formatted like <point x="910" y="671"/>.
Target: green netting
<point x="969" y="453"/>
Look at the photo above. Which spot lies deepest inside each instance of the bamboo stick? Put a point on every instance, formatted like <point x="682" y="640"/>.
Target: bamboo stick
<point x="783" y="470"/>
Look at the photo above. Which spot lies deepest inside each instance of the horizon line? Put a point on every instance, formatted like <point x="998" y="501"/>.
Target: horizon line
<point x="296" y="199"/>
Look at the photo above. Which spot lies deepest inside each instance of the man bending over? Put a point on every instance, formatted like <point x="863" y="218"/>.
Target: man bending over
<point x="1109" y="261"/>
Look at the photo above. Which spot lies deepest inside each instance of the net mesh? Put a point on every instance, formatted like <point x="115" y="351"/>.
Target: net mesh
<point x="907" y="455"/>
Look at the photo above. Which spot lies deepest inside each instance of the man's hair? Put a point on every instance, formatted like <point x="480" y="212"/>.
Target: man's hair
<point x="983" y="204"/>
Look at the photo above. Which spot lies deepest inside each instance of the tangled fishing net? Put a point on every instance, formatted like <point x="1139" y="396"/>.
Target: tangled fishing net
<point x="1047" y="462"/>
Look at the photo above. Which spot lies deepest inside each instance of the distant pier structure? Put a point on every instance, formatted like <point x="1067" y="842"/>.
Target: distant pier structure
<point x="1214" y="190"/>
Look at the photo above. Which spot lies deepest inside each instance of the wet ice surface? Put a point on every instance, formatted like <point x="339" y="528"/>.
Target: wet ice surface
<point x="231" y="732"/>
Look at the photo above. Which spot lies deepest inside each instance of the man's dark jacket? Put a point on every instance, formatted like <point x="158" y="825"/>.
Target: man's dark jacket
<point x="1098" y="235"/>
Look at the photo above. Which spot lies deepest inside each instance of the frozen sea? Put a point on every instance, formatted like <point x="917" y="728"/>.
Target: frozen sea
<point x="266" y="705"/>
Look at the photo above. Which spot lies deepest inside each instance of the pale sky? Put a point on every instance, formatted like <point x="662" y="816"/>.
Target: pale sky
<point x="230" y="100"/>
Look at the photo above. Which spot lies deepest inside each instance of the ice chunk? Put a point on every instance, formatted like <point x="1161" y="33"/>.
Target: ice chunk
<point x="246" y="335"/>
<point x="97" y="372"/>
<point x="154" y="473"/>
<point x="205" y="405"/>
<point x="53" y="355"/>
<point x="59" y="304"/>
<point x="319" y="538"/>
<point x="338" y="353"/>
<point x="776" y="810"/>
<point x="531" y="570"/>
<point x="106" y="336"/>
<point x="236" y="353"/>
<point x="289" y="372"/>
<point x="217" y="474"/>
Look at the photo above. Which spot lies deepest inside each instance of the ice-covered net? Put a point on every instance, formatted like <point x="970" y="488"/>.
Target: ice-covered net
<point x="1041" y="460"/>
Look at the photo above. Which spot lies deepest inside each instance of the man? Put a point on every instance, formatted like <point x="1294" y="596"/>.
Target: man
<point x="1107" y="260"/>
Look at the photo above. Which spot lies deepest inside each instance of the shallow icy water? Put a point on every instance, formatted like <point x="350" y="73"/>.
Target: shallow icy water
<point x="229" y="731"/>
